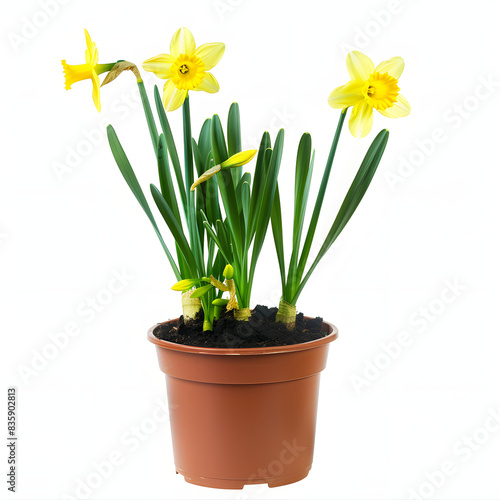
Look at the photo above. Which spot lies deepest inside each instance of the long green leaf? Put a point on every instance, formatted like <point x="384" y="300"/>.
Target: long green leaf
<point x="131" y="179"/>
<point x="264" y="213"/>
<point x="172" y="150"/>
<point x="220" y="245"/>
<point x="245" y="197"/>
<point x="175" y="229"/>
<point x="205" y="139"/>
<point x="277" y="226"/>
<point x="166" y="184"/>
<point x="303" y="172"/>
<point x="351" y="201"/>
<point x="226" y="186"/>
<point x="319" y="200"/>
<point x="263" y="159"/>
<point x="234" y="138"/>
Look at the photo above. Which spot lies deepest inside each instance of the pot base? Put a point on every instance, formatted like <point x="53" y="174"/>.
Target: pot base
<point x="238" y="484"/>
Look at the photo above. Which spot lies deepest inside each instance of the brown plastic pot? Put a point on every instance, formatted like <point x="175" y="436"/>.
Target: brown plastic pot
<point x="243" y="416"/>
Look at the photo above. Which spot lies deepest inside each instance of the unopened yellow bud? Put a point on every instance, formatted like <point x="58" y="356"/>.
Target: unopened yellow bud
<point x="228" y="272"/>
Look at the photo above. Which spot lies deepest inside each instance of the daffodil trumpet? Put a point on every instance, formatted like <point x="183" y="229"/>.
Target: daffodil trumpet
<point x="90" y="70"/>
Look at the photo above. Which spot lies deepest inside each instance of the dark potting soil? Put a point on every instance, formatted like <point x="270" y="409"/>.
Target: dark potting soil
<point x="259" y="331"/>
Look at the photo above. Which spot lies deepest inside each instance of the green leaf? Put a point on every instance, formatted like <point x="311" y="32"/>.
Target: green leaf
<point x="351" y="201"/>
<point x="245" y="196"/>
<point x="226" y="186"/>
<point x="303" y="173"/>
<point x="212" y="200"/>
<point x="215" y="238"/>
<point x="130" y="178"/>
<point x="222" y="234"/>
<point x="166" y="184"/>
<point x="176" y="230"/>
<point x="205" y="141"/>
<point x="198" y="159"/>
<point x="266" y="204"/>
<point x="172" y="150"/>
<point x="234" y="138"/>
<point x="258" y="182"/>
<point x="319" y="200"/>
<point x="277" y="226"/>
<point x="219" y="149"/>
<point x="202" y="290"/>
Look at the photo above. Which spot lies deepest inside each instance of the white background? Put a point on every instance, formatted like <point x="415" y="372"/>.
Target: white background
<point x="433" y="221"/>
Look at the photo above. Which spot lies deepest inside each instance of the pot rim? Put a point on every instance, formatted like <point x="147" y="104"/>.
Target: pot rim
<point x="247" y="351"/>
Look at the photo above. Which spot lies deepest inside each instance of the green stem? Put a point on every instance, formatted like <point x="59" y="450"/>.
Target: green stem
<point x="193" y="229"/>
<point x="188" y="150"/>
<point x="103" y="68"/>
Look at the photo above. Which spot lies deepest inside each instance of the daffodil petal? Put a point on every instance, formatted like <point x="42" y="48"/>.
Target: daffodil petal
<point x="210" y="54"/>
<point x="361" y="120"/>
<point x="399" y="109"/>
<point x="182" y="43"/>
<point x="91" y="54"/>
<point x="172" y="96"/>
<point x="360" y="67"/>
<point x="96" y="90"/>
<point x="347" y="95"/>
<point x="394" y="66"/>
<point x="159" y="65"/>
<point x="209" y="84"/>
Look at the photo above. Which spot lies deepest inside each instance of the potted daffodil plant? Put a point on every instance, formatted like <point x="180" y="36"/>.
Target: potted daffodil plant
<point x="242" y="379"/>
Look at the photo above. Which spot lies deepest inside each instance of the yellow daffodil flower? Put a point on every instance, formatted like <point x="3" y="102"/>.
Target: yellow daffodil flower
<point x="370" y="88"/>
<point x="88" y="71"/>
<point x="185" y="68"/>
